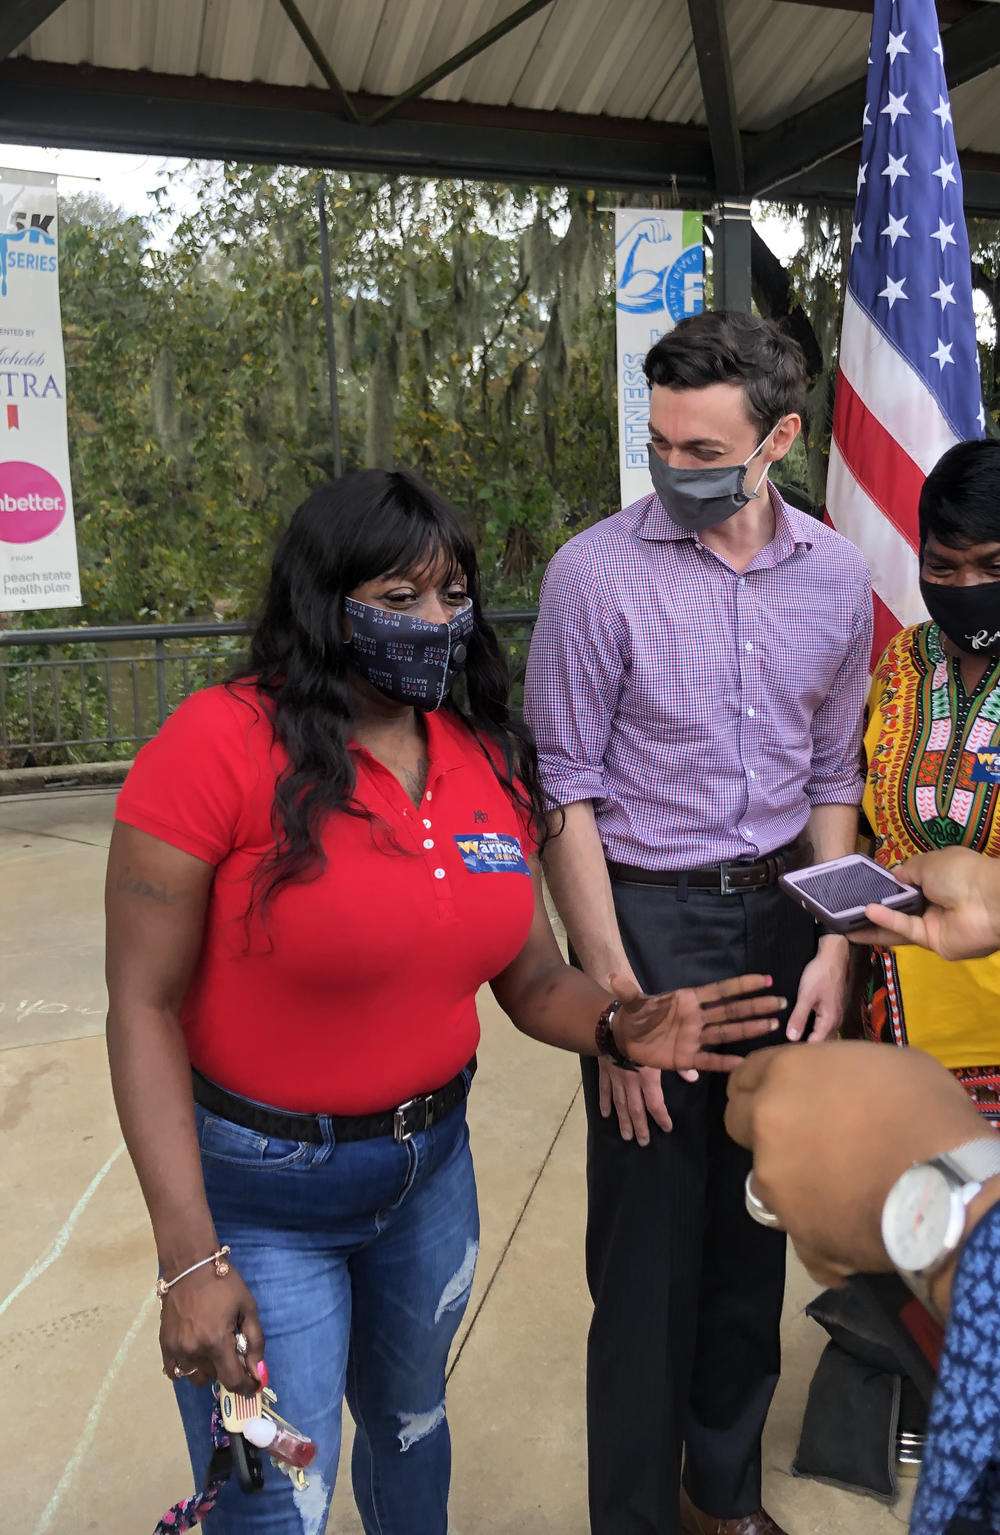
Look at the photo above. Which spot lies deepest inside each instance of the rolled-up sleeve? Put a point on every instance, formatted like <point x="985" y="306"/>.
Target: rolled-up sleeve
<point x="574" y="677"/>
<point x="836" y="777"/>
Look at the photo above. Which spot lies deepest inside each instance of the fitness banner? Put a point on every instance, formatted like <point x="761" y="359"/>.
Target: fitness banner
<point x="38" y="561"/>
<point x="659" y="277"/>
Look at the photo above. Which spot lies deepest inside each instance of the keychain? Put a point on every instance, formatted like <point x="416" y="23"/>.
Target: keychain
<point x="242" y="1426"/>
<point x="253" y="1425"/>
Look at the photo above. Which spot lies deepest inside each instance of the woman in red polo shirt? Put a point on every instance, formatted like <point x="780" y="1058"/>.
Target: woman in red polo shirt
<point x="313" y="870"/>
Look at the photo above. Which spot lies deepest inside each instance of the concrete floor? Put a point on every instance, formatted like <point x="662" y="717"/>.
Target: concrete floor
<point x="89" y="1439"/>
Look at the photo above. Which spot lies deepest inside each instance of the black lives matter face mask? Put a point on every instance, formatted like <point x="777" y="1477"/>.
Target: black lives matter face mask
<point x="968" y="615"/>
<point x="404" y="657"/>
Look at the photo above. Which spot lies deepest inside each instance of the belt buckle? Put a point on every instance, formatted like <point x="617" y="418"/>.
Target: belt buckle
<point x="725" y="888"/>
<point x="399" y="1131"/>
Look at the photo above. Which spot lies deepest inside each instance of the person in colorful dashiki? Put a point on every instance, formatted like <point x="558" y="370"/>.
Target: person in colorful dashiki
<point x="932" y="743"/>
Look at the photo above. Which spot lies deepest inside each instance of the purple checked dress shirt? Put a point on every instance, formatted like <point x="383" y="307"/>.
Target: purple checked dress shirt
<point x="703" y="712"/>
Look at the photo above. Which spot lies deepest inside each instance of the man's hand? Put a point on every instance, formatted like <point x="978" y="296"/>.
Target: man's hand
<point x="635" y="1096"/>
<point x="962" y="919"/>
<point x="831" y="1130"/>
<point x="822" y="991"/>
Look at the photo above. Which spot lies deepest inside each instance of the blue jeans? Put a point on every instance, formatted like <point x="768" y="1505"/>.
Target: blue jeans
<point x="360" y="1258"/>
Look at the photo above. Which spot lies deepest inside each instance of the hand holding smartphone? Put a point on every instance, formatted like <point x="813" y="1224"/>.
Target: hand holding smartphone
<point x="837" y="892"/>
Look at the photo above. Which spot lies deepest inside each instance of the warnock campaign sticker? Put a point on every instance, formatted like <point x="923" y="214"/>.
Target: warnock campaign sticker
<point x="986" y="768"/>
<point x="492" y="853"/>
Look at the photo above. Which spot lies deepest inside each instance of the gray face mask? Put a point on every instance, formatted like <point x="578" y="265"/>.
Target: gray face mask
<point x="702" y="498"/>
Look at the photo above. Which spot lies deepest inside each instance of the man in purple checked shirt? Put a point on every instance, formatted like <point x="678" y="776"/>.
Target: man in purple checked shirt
<point x="695" y="685"/>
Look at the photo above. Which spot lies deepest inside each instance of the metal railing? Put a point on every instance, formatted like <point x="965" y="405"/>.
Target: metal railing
<point x="93" y="695"/>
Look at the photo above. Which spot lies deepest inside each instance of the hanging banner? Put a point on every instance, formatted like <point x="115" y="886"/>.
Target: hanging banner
<point x="38" y="560"/>
<point x="659" y="278"/>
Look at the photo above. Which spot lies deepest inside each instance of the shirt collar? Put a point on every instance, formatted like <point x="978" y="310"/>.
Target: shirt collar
<point x="445" y="734"/>
<point x="791" y="527"/>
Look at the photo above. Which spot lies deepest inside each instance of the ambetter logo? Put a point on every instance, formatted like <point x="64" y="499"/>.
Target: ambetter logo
<point x="32" y="503"/>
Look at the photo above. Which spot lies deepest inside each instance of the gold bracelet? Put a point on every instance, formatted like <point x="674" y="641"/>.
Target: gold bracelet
<point x="221" y="1268"/>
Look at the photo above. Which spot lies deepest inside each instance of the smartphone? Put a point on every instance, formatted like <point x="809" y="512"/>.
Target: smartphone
<point x="837" y="892"/>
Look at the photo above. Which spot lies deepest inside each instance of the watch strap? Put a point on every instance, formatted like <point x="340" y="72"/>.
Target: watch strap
<point x="604" y="1036"/>
<point x="974" y="1161"/>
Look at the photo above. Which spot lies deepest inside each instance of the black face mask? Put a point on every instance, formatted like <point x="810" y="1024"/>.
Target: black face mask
<point x="968" y="615"/>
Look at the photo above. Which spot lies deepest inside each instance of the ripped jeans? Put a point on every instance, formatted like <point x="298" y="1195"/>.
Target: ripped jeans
<point x="360" y="1258"/>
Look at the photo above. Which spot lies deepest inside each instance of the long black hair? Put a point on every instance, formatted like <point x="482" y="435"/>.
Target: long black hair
<point x="347" y="532"/>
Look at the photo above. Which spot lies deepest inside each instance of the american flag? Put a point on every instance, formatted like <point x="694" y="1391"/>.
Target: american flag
<point x="908" y="385"/>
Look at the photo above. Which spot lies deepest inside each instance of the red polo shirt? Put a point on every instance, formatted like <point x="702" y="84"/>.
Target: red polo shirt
<point x="358" y="989"/>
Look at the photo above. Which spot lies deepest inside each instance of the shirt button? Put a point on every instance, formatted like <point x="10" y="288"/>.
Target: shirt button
<point x="439" y="874"/>
<point x="428" y="842"/>
<point x="428" y="795"/>
<point x="426" y="823"/>
<point x="750" y="711"/>
<point x="747" y="833"/>
<point x="743" y="580"/>
<point x="752" y="773"/>
<point x="748" y="646"/>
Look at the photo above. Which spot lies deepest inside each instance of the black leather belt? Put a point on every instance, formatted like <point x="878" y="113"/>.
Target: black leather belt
<point x="406" y="1119"/>
<point x="727" y="878"/>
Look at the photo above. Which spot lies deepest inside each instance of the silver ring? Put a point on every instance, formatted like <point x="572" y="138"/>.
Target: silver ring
<point x="180" y="1374"/>
<point x="242" y="1345"/>
<point x="758" y="1210"/>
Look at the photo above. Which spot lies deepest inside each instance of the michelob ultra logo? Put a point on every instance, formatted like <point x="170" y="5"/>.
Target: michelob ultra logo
<point x="986" y="768"/>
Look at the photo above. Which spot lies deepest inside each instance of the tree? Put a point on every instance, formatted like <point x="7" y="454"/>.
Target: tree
<point x="475" y="336"/>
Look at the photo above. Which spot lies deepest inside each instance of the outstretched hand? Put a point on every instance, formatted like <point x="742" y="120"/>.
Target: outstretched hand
<point x="678" y="1030"/>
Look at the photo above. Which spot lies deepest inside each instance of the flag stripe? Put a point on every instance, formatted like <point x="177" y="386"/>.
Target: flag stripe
<point x="885" y="472"/>
<point x="886" y="625"/>
<point x="891" y="389"/>
<point x="894" y="565"/>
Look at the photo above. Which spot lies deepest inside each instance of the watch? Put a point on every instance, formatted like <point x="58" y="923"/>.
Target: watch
<point x="604" y="1035"/>
<point x="923" y="1218"/>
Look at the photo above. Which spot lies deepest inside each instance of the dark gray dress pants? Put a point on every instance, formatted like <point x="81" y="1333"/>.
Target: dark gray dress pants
<point x="683" y="1354"/>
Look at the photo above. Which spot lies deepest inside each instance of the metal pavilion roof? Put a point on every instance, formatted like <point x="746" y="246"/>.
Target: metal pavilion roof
<point x="720" y="98"/>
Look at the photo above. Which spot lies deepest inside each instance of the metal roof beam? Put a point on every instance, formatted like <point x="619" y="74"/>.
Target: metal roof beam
<point x="971" y="47"/>
<point x="948" y="10"/>
<point x="711" y="46"/>
<point x="177" y="115"/>
<point x="835" y="183"/>
<point x="317" y="55"/>
<point x="479" y="45"/>
<point x="20" y="18"/>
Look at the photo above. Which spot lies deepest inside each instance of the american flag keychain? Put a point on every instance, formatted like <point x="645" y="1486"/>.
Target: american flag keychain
<point x="251" y="1421"/>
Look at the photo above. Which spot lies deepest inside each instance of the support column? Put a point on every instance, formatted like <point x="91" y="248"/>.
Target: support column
<point x="731" y="255"/>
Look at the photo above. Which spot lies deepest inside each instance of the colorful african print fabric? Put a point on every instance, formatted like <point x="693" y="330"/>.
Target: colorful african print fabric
<point x="933" y="781"/>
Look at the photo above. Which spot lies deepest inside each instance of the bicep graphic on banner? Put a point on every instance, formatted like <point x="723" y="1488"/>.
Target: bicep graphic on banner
<point x="659" y="279"/>
<point x="38" y="558"/>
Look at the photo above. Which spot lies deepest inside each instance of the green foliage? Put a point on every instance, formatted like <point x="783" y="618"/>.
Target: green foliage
<point x="474" y="327"/>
